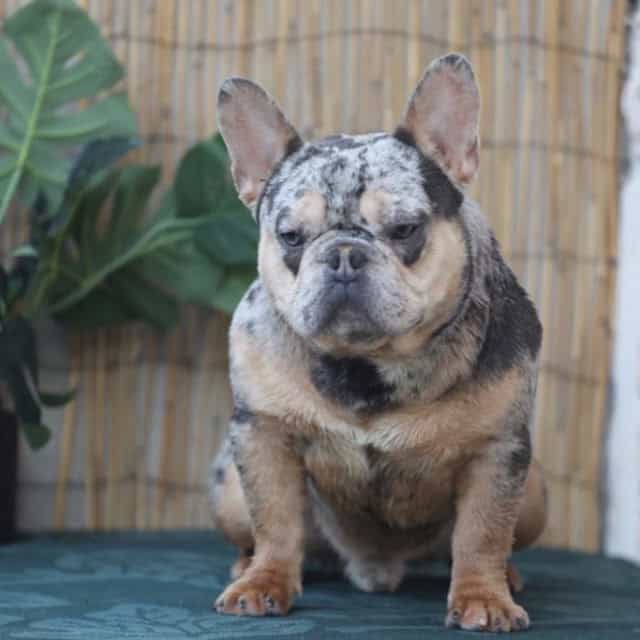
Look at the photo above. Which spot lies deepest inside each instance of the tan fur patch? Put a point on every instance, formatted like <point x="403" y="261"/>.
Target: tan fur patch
<point x="436" y="277"/>
<point x="459" y="422"/>
<point x="373" y="205"/>
<point x="274" y="273"/>
<point x="310" y="210"/>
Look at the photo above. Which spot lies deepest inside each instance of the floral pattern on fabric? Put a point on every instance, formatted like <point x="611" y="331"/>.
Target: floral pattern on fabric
<point x="161" y="586"/>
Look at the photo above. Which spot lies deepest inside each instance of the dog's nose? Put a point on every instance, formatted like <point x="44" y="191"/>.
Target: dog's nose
<point x="345" y="261"/>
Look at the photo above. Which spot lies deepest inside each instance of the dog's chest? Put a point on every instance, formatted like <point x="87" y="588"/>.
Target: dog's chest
<point x="401" y="488"/>
<point x="352" y="383"/>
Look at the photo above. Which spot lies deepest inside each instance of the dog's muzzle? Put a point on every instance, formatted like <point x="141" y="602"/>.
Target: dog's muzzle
<point x="345" y="260"/>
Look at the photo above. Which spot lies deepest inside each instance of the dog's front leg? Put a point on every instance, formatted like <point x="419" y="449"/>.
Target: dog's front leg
<point x="489" y="496"/>
<point x="272" y="479"/>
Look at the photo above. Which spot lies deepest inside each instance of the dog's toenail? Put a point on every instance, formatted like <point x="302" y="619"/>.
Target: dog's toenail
<point x="242" y="603"/>
<point x="521" y="623"/>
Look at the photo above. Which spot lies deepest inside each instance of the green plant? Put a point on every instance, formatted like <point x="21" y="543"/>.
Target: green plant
<point x="99" y="251"/>
<point x="55" y="68"/>
<point x="51" y="57"/>
<point x="137" y="262"/>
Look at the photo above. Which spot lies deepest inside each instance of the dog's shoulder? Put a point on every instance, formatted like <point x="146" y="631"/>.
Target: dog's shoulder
<point x="252" y="313"/>
<point x="257" y="332"/>
<point x="268" y="363"/>
<point x="514" y="332"/>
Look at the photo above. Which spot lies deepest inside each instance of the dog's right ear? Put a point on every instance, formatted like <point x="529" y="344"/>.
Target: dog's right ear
<point x="257" y="135"/>
<point x="443" y="115"/>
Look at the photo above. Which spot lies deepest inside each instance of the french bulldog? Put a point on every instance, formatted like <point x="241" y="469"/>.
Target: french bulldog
<point x="383" y="364"/>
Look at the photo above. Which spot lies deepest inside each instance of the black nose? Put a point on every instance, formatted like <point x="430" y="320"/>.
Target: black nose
<point x="345" y="261"/>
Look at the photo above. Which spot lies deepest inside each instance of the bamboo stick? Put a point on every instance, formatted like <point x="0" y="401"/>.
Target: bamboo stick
<point x="113" y="431"/>
<point x="90" y="486"/>
<point x="160" y="515"/>
<point x="548" y="181"/>
<point x="66" y="450"/>
<point x="143" y="442"/>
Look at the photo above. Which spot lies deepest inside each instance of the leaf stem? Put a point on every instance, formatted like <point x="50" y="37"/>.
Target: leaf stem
<point x="145" y="244"/>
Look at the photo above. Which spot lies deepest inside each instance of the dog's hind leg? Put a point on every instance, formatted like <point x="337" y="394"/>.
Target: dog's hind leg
<point x="230" y="511"/>
<point x="533" y="511"/>
<point x="531" y="521"/>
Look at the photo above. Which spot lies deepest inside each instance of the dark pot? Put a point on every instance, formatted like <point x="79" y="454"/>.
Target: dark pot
<point x="8" y="475"/>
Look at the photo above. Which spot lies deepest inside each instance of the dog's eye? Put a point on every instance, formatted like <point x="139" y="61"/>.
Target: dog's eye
<point x="292" y="238"/>
<point x="403" y="231"/>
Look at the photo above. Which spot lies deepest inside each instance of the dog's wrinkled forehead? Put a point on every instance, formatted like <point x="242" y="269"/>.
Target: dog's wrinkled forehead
<point x="341" y="168"/>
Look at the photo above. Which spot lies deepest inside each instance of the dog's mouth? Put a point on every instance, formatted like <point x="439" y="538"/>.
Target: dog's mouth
<point x="342" y="310"/>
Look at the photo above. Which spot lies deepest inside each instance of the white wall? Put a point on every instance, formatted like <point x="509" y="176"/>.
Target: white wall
<point x="622" y="530"/>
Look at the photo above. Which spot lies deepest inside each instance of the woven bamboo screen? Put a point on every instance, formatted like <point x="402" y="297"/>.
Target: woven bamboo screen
<point x="133" y="450"/>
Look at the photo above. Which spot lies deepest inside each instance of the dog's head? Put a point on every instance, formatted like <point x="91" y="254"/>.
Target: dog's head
<point x="359" y="242"/>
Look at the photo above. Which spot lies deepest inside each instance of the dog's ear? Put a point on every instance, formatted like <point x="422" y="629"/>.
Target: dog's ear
<point x="442" y="116"/>
<point x="257" y="135"/>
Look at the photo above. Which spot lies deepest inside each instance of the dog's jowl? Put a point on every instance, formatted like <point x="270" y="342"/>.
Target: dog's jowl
<point x="383" y="364"/>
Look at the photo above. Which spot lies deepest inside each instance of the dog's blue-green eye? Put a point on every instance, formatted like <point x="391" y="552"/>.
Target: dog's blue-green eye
<point x="292" y="238"/>
<point x="403" y="231"/>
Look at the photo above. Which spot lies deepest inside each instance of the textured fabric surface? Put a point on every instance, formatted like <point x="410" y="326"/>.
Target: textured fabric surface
<point x="161" y="585"/>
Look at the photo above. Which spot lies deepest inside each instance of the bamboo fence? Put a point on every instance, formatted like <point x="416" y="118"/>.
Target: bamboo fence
<point x="133" y="450"/>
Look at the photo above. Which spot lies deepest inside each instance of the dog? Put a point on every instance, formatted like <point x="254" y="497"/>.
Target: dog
<point x="383" y="365"/>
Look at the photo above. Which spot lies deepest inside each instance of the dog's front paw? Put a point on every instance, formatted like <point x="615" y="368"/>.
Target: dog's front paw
<point x="475" y="608"/>
<point x="259" y="592"/>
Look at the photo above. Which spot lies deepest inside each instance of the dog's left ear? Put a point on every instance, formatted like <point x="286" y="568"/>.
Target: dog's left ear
<point x="443" y="114"/>
<point x="257" y="135"/>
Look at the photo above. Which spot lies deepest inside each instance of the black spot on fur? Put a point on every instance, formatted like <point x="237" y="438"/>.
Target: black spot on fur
<point x="252" y="293"/>
<point x="339" y="164"/>
<point x="442" y="193"/>
<point x="242" y="415"/>
<point x="251" y="327"/>
<point x="514" y="331"/>
<point x="306" y="153"/>
<point x="405" y="136"/>
<point x="272" y="185"/>
<point x="411" y="248"/>
<point x="352" y="382"/>
<point x="282" y="214"/>
<point x="520" y="458"/>
<point x="341" y="142"/>
<point x="293" y="145"/>
<point x="219" y="476"/>
<point x="440" y="189"/>
<point x="292" y="257"/>
<point x="350" y="232"/>
<point x="373" y="455"/>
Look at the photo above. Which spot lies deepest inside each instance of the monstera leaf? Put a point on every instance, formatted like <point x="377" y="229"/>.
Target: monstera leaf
<point x="229" y="240"/>
<point x="109" y="257"/>
<point x="105" y="255"/>
<point x="51" y="57"/>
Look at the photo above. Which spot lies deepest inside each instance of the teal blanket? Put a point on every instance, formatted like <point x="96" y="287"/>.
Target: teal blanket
<point x="161" y="586"/>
